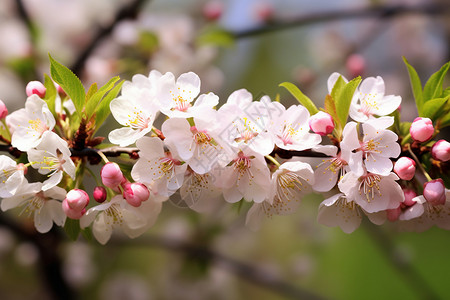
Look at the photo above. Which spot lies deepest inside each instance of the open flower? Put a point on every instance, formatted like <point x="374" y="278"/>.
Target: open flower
<point x="160" y="170"/>
<point x="136" y="109"/>
<point x="11" y="176"/>
<point x="119" y="214"/>
<point x="44" y="205"/>
<point x="29" y="124"/>
<point x="340" y="211"/>
<point x="372" y="192"/>
<point x="52" y="157"/>
<point x="177" y="96"/>
<point x="371" y="100"/>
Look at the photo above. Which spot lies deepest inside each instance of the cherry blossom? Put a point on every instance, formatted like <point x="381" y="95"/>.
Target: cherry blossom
<point x="52" y="157"/>
<point x="44" y="205"/>
<point x="29" y="124"/>
<point x="136" y="109"/>
<point x="119" y="214"/>
<point x="11" y="176"/>
<point x="162" y="170"/>
<point x="372" y="192"/>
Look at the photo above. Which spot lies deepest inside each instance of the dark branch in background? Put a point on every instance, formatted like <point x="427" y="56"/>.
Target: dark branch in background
<point x="129" y="11"/>
<point x="243" y="270"/>
<point x="49" y="260"/>
<point x="382" y="12"/>
<point x="411" y="277"/>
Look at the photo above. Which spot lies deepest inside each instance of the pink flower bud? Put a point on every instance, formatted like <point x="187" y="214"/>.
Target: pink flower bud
<point x="135" y="193"/>
<point x="77" y="199"/>
<point x="213" y="10"/>
<point x="409" y="195"/>
<point x="3" y="110"/>
<point x="393" y="214"/>
<point x="111" y="175"/>
<point x="355" y="64"/>
<point x="441" y="150"/>
<point x="405" y="168"/>
<point x="321" y="123"/>
<point x="100" y="194"/>
<point x="74" y="205"/>
<point x="72" y="213"/>
<point x="35" y="88"/>
<point x="264" y="11"/>
<point x="421" y="129"/>
<point x="434" y="191"/>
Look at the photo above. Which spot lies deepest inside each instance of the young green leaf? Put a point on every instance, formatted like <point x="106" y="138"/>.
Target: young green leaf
<point x="72" y="228"/>
<point x="92" y="102"/>
<point x="416" y="86"/>
<point x="302" y="98"/>
<point x="216" y="36"/>
<point x="92" y="90"/>
<point x="69" y="83"/>
<point x="344" y="99"/>
<point x="103" y="110"/>
<point x="432" y="107"/>
<point x="433" y="87"/>
<point x="50" y="94"/>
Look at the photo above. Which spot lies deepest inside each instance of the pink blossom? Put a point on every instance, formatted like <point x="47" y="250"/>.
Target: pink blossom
<point x="321" y="123"/>
<point x="421" y="129"/>
<point x="434" y="191"/>
<point x="441" y="150"/>
<point x="405" y="168"/>
<point x="35" y="88"/>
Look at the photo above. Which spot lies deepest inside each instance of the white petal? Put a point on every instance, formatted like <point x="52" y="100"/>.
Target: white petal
<point x="43" y="220"/>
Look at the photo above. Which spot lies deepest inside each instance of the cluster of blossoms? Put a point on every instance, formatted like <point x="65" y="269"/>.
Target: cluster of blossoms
<point x="246" y="150"/>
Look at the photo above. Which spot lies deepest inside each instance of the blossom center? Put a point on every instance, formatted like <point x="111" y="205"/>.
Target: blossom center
<point x="34" y="204"/>
<point x="369" y="186"/>
<point x="38" y="125"/>
<point x="368" y="104"/>
<point x="288" y="184"/>
<point x="114" y="215"/>
<point x="242" y="163"/>
<point x="181" y="104"/>
<point x="288" y="133"/>
<point x="138" y="120"/>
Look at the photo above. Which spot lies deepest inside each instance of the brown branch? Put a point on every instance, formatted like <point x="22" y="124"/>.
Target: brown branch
<point x="129" y="11"/>
<point x="243" y="270"/>
<point x="381" y="12"/>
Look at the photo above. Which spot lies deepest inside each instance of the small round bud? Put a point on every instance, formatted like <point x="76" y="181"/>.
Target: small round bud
<point x="111" y="175"/>
<point x="35" y="88"/>
<point x="393" y="214"/>
<point x="72" y="213"/>
<point x="409" y="196"/>
<point x="421" y="129"/>
<point x="434" y="192"/>
<point x="100" y="194"/>
<point x="355" y="64"/>
<point x="77" y="199"/>
<point x="213" y="10"/>
<point x="74" y="205"/>
<point x="405" y="168"/>
<point x="321" y="123"/>
<point x="135" y="193"/>
<point x="264" y="11"/>
<point x="441" y="150"/>
<point x="3" y="110"/>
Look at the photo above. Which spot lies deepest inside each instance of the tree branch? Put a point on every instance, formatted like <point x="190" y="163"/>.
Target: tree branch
<point x="243" y="270"/>
<point x="382" y="12"/>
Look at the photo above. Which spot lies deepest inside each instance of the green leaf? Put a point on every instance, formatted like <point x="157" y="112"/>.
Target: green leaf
<point x="404" y="128"/>
<point x="93" y="101"/>
<point x="148" y="42"/>
<point x="50" y="93"/>
<point x="416" y="86"/>
<point x="433" y="87"/>
<point x="87" y="234"/>
<point x="103" y="110"/>
<point x="72" y="228"/>
<point x="69" y="82"/>
<point x="344" y="98"/>
<point x="432" y="107"/>
<point x="216" y="36"/>
<point x="302" y="98"/>
<point x="92" y="90"/>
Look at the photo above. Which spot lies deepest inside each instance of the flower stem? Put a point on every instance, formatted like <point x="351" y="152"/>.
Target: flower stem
<point x="275" y="162"/>
<point x="418" y="163"/>
<point x="103" y="156"/>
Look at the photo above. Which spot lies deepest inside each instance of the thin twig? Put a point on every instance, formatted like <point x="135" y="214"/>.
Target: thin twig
<point x="382" y="12"/>
<point x="244" y="270"/>
<point x="127" y="12"/>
